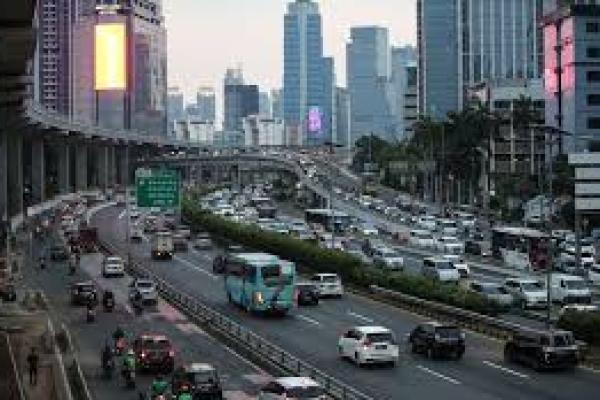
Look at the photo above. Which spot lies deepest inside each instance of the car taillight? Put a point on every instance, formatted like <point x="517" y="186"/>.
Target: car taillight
<point x="367" y="344"/>
<point x="171" y="353"/>
<point x="142" y="355"/>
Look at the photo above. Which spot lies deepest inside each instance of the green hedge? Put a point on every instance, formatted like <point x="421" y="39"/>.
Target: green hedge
<point x="584" y="325"/>
<point x="350" y="268"/>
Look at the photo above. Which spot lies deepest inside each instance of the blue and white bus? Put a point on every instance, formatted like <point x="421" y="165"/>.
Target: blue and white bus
<point x="260" y="282"/>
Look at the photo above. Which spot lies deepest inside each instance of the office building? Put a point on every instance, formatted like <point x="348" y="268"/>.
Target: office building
<point x="240" y="100"/>
<point x="259" y="131"/>
<point x="175" y="109"/>
<point x="329" y="111"/>
<point x="264" y="105"/>
<point x="302" y="75"/>
<point x="404" y="79"/>
<point x="461" y="43"/>
<point x="53" y="62"/>
<point x="343" y="132"/>
<point x="572" y="74"/>
<point x="369" y="83"/>
<point x="205" y="104"/>
<point x="197" y="132"/>
<point x="277" y="103"/>
<point x="142" y="106"/>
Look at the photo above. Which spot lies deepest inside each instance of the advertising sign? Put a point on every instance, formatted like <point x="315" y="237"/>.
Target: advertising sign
<point x="109" y="56"/>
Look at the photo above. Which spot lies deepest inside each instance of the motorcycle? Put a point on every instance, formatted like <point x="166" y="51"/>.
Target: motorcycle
<point x="129" y="377"/>
<point x="137" y="307"/>
<point x="42" y="263"/>
<point x="120" y="346"/>
<point x="108" y="368"/>
<point x="109" y="305"/>
<point x="71" y="268"/>
<point x="90" y="315"/>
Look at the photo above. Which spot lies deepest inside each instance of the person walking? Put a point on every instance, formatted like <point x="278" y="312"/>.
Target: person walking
<point x="32" y="361"/>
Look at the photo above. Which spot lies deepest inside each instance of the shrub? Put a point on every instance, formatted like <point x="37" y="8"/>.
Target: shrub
<point x="584" y="325"/>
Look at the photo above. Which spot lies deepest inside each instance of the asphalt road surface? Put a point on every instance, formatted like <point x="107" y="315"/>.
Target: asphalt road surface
<point x="312" y="333"/>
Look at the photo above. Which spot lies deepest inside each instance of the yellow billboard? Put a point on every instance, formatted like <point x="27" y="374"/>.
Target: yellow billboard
<point x="110" y="66"/>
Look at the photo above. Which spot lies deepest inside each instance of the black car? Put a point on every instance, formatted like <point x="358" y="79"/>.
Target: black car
<point x="308" y="294"/>
<point x="58" y="253"/>
<point x="81" y="292"/>
<point x="543" y="350"/>
<point x="220" y="260"/>
<point x="201" y="380"/>
<point x="436" y="340"/>
<point x="8" y="293"/>
<point x="154" y="353"/>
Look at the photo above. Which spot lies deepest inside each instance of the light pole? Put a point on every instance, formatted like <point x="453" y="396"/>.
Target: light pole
<point x="332" y="147"/>
<point x="128" y="229"/>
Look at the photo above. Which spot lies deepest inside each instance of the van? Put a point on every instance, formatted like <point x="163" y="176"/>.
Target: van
<point x="440" y="269"/>
<point x="569" y="289"/>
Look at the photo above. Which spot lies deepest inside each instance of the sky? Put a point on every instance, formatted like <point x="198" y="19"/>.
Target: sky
<point x="205" y="37"/>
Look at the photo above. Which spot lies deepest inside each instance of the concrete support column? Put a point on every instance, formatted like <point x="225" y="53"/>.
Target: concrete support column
<point x="38" y="171"/>
<point x="102" y="159"/>
<point x="112" y="166"/>
<point x="3" y="175"/>
<point x="15" y="173"/>
<point x="64" y="167"/>
<point x="122" y="165"/>
<point x="81" y="167"/>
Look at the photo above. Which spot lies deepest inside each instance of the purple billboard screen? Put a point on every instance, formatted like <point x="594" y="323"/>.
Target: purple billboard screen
<point x="315" y="120"/>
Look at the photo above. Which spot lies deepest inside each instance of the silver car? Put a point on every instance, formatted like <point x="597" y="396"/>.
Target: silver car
<point x="493" y="291"/>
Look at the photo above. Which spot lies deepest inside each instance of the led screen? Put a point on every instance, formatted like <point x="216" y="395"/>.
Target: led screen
<point x="109" y="57"/>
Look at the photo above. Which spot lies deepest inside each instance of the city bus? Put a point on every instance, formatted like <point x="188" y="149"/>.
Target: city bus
<point x="521" y="248"/>
<point x="260" y="282"/>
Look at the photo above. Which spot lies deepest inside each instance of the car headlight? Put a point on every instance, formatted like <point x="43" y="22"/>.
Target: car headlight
<point x="258" y="298"/>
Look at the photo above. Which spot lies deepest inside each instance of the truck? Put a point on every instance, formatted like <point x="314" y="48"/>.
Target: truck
<point x="88" y="237"/>
<point x="162" y="246"/>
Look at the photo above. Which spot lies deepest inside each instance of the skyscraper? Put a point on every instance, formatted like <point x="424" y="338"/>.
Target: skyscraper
<point x="264" y="105"/>
<point x="277" y="103"/>
<point x="404" y="76"/>
<point x="461" y="43"/>
<point x="303" y="64"/>
<point x="343" y="118"/>
<point x="369" y="83"/>
<point x="329" y="110"/>
<point x="143" y="104"/>
<point x="240" y="100"/>
<point x="205" y="103"/>
<point x="174" y="107"/>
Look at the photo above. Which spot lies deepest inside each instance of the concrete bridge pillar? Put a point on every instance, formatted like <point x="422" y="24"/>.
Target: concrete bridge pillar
<point x="38" y="171"/>
<point x="3" y="175"/>
<point x="112" y="166"/>
<point x="15" y="174"/>
<point x="64" y="167"/>
<point x="102" y="166"/>
<point x="81" y="166"/>
<point x="122" y="156"/>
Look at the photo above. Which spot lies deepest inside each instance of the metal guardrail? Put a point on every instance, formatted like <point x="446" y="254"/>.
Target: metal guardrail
<point x="242" y="337"/>
<point x="10" y="382"/>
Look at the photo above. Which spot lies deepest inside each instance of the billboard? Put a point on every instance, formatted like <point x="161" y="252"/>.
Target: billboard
<point x="110" y="65"/>
<point x="315" y="120"/>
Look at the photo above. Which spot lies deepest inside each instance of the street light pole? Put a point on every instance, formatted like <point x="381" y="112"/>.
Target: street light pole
<point x="128" y="230"/>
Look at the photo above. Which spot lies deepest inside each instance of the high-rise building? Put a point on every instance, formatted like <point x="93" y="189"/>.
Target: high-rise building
<point x="205" y="103"/>
<point x="303" y="64"/>
<point x="260" y="131"/>
<point x="240" y="100"/>
<point x="369" y="83"/>
<point x="174" y="106"/>
<point x="461" y="43"/>
<point x="329" y="111"/>
<point x="53" y="62"/>
<point x="572" y="74"/>
<point x="142" y="106"/>
<point x="404" y="79"/>
<point x="264" y="105"/>
<point x="343" y="118"/>
<point x="277" y="103"/>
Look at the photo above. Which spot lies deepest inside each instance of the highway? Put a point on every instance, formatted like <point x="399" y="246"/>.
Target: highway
<point x="241" y="380"/>
<point x="312" y="333"/>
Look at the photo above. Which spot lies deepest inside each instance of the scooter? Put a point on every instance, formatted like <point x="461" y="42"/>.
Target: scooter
<point x="109" y="305"/>
<point x="129" y="377"/>
<point x="90" y="315"/>
<point x="108" y="368"/>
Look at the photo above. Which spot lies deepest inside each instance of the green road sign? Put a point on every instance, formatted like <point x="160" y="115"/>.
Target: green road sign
<point x="157" y="188"/>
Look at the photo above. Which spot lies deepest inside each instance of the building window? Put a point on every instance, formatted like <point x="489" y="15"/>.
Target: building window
<point x="593" y="123"/>
<point x="592" y="27"/>
<point x="593" y="76"/>
<point x="593" y="99"/>
<point x="593" y="52"/>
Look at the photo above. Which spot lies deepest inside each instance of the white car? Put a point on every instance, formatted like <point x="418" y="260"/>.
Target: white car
<point x="421" y="238"/>
<point x="113" y="266"/>
<point x="147" y="289"/>
<point x="594" y="274"/>
<point x="567" y="289"/>
<point x="493" y="291"/>
<point x="292" y="388"/>
<point x="369" y="345"/>
<point x="136" y="233"/>
<point x="427" y="222"/>
<point x="440" y="269"/>
<point x="328" y="284"/>
<point x="447" y="227"/>
<point x="388" y="259"/>
<point x="368" y="230"/>
<point x="460" y="264"/>
<point x="450" y="245"/>
<point x="527" y="292"/>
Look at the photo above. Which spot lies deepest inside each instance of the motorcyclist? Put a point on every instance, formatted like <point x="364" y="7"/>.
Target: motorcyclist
<point x="119" y="337"/>
<point x="159" y="386"/>
<point x="42" y="262"/>
<point x="185" y="393"/>
<point x="129" y="362"/>
<point x="137" y="301"/>
<point x="107" y="357"/>
<point x="107" y="297"/>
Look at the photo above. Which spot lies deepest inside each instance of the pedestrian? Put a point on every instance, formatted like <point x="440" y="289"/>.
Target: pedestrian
<point x="32" y="361"/>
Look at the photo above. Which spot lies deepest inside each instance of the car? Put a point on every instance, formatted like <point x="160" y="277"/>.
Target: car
<point x="567" y="289"/>
<point x="180" y="243"/>
<point x="184" y="230"/>
<point x="459" y="263"/>
<point x="388" y="259"/>
<point x="542" y="350"/>
<point x="308" y="294"/>
<point x="477" y="248"/>
<point x="368" y="230"/>
<point x="594" y="274"/>
<point x="8" y="293"/>
<point x="493" y="291"/>
<point x="427" y="222"/>
<point x="134" y="215"/>
<point x="147" y="288"/>
<point x="330" y="285"/>
<point x="587" y="308"/>
<point x="154" y="353"/>
<point x="369" y="345"/>
<point x="527" y="292"/>
<point x="440" y="269"/>
<point x="450" y="245"/>
<point x="292" y="388"/>
<point x="113" y="266"/>
<point x="58" y="253"/>
<point x="201" y="380"/>
<point x="202" y="241"/>
<point x="136" y="234"/>
<point x="421" y="238"/>
<point x="447" y="227"/>
<point x="81" y="292"/>
<point x="436" y="340"/>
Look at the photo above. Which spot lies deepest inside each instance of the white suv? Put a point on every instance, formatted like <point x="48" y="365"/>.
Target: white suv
<point x="146" y="288"/>
<point x="113" y="266"/>
<point x="290" y="388"/>
<point x="328" y="285"/>
<point x="369" y="345"/>
<point x="527" y="292"/>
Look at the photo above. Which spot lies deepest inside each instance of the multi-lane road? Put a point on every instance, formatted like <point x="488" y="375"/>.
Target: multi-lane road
<point x="312" y="333"/>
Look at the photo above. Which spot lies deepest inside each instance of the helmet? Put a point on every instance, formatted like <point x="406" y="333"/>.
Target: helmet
<point x="130" y="352"/>
<point x="159" y="377"/>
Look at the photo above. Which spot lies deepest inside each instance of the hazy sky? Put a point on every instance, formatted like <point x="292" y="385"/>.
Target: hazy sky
<point x="207" y="36"/>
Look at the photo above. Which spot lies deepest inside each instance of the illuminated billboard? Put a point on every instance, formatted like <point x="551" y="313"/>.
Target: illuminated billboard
<point x="315" y="120"/>
<point x="109" y="57"/>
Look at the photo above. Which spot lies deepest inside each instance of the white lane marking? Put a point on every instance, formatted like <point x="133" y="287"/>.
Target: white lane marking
<point x="203" y="255"/>
<point x="122" y="214"/>
<point x="361" y="317"/>
<point x="197" y="268"/>
<point x="507" y="370"/>
<point x="438" y="375"/>
<point x="308" y="319"/>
